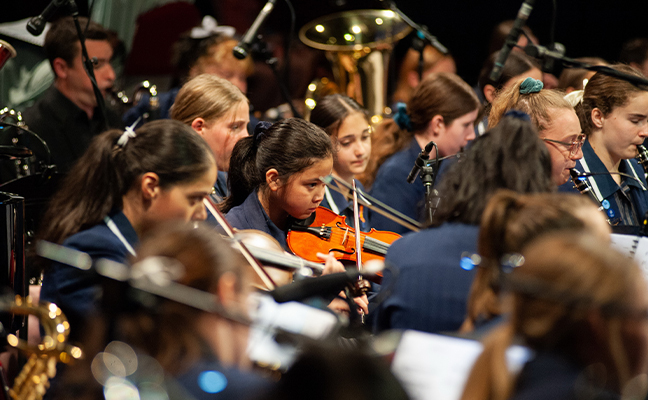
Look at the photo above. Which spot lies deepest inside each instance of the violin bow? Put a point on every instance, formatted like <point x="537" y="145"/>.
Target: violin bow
<point x="356" y="224"/>
<point x="377" y="206"/>
<point x="229" y="231"/>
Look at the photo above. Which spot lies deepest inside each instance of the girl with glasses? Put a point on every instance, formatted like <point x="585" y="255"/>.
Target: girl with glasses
<point x="614" y="116"/>
<point x="553" y="117"/>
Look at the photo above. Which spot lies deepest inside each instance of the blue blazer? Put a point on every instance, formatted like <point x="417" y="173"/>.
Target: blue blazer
<point x="427" y="289"/>
<point x="391" y="188"/>
<point x="607" y="187"/>
<point x="251" y="215"/>
<point x="75" y="291"/>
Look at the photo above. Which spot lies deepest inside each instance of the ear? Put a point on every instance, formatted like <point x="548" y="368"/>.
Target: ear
<point x="436" y="127"/>
<point x="226" y="289"/>
<point x="413" y="79"/>
<point x="198" y="125"/>
<point x="60" y="68"/>
<point x="597" y="118"/>
<point x="273" y="180"/>
<point x="150" y="186"/>
<point x="489" y="92"/>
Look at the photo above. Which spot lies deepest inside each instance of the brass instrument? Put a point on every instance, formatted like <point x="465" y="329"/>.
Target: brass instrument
<point x="122" y="102"/>
<point x="6" y="52"/>
<point x="33" y="381"/>
<point x="358" y="44"/>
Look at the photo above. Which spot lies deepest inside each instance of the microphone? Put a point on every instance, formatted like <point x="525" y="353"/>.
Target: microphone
<point x="243" y="47"/>
<point x="511" y="39"/>
<point x="36" y="24"/>
<point x="420" y="162"/>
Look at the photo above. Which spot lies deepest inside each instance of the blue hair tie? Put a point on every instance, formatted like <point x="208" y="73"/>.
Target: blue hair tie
<point x="518" y="114"/>
<point x="401" y="118"/>
<point x="259" y="130"/>
<point x="530" y="85"/>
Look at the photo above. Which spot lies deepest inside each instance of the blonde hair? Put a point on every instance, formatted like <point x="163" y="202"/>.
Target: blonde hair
<point x="537" y="105"/>
<point x="565" y="277"/>
<point x="206" y="96"/>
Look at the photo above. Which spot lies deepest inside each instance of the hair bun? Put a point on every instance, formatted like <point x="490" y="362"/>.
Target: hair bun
<point x="530" y="85"/>
<point x="260" y="129"/>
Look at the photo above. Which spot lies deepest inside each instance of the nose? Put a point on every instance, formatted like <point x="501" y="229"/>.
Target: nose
<point x="644" y="131"/>
<point x="578" y="155"/>
<point x="200" y="214"/>
<point x="471" y="132"/>
<point x="108" y="75"/>
<point x="319" y="194"/>
<point x="240" y="82"/>
<point x="359" y="149"/>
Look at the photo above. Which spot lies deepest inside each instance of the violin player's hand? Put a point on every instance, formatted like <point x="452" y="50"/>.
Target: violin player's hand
<point x="331" y="265"/>
<point x="340" y="305"/>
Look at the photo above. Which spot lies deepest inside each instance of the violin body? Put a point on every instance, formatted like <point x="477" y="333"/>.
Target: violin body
<point x="327" y="232"/>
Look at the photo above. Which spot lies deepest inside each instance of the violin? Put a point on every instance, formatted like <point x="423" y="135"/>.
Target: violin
<point x="325" y="231"/>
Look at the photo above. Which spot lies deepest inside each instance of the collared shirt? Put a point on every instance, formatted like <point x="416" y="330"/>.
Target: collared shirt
<point x="65" y="127"/>
<point x="626" y="204"/>
<point x="76" y="291"/>
<point x="251" y="215"/>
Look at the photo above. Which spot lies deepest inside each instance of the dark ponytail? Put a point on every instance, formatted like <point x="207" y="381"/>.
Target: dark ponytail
<point x="290" y="146"/>
<point x="107" y="171"/>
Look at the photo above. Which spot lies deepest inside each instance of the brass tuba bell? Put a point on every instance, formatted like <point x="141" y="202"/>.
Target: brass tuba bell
<point x="358" y="45"/>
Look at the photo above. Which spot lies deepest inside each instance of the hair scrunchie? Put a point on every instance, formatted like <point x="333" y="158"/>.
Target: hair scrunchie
<point x="259" y="130"/>
<point x="401" y="118"/>
<point x="128" y="133"/>
<point x="518" y="115"/>
<point x="530" y="85"/>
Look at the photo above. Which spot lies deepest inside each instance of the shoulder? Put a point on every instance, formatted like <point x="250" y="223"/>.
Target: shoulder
<point x="98" y="242"/>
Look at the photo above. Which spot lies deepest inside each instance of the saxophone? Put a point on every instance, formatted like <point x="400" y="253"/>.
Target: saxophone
<point x="642" y="157"/>
<point x="33" y="380"/>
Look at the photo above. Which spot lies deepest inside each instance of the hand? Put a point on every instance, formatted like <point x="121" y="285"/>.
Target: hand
<point x="340" y="305"/>
<point x="331" y="265"/>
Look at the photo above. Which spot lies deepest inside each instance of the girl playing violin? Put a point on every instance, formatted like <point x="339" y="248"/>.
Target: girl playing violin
<point x="348" y="126"/>
<point x="125" y="182"/>
<point x="274" y="176"/>
<point x="274" y="179"/>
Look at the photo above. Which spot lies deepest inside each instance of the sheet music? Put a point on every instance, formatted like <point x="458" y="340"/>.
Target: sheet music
<point x="436" y="367"/>
<point x="635" y="247"/>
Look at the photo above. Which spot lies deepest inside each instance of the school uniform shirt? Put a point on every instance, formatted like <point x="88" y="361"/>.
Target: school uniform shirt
<point x="338" y="203"/>
<point x="425" y="286"/>
<point x="251" y="215"/>
<point x="76" y="291"/>
<point x="391" y="188"/>
<point x="626" y="204"/>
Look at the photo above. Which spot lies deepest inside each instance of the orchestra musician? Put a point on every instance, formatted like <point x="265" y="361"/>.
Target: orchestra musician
<point x="442" y="109"/>
<point x="67" y="116"/>
<point x="218" y="111"/>
<point x="348" y="126"/>
<point x="580" y="307"/>
<point x="553" y="117"/>
<point x="614" y="116"/>
<point x="510" y="222"/>
<point x="274" y="180"/>
<point x="125" y="182"/>
<point x="203" y="353"/>
<point x="429" y="288"/>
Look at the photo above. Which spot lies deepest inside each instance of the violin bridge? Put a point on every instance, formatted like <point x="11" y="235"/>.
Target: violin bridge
<point x="346" y="236"/>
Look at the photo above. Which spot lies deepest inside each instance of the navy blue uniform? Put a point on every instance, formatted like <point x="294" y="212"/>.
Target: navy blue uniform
<point x="632" y="190"/>
<point x="429" y="290"/>
<point x="76" y="291"/>
<point x="251" y="215"/>
<point x="391" y="188"/>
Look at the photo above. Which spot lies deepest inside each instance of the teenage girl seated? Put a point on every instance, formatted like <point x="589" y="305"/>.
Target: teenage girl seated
<point x="125" y="183"/>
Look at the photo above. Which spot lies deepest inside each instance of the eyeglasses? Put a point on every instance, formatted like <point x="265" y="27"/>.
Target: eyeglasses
<point x="572" y="147"/>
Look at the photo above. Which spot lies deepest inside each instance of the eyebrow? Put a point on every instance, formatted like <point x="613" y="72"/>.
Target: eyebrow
<point x="642" y="116"/>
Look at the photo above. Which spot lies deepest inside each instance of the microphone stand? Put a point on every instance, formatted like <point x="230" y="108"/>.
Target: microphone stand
<point x="431" y="195"/>
<point x="420" y="30"/>
<point x="546" y="54"/>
